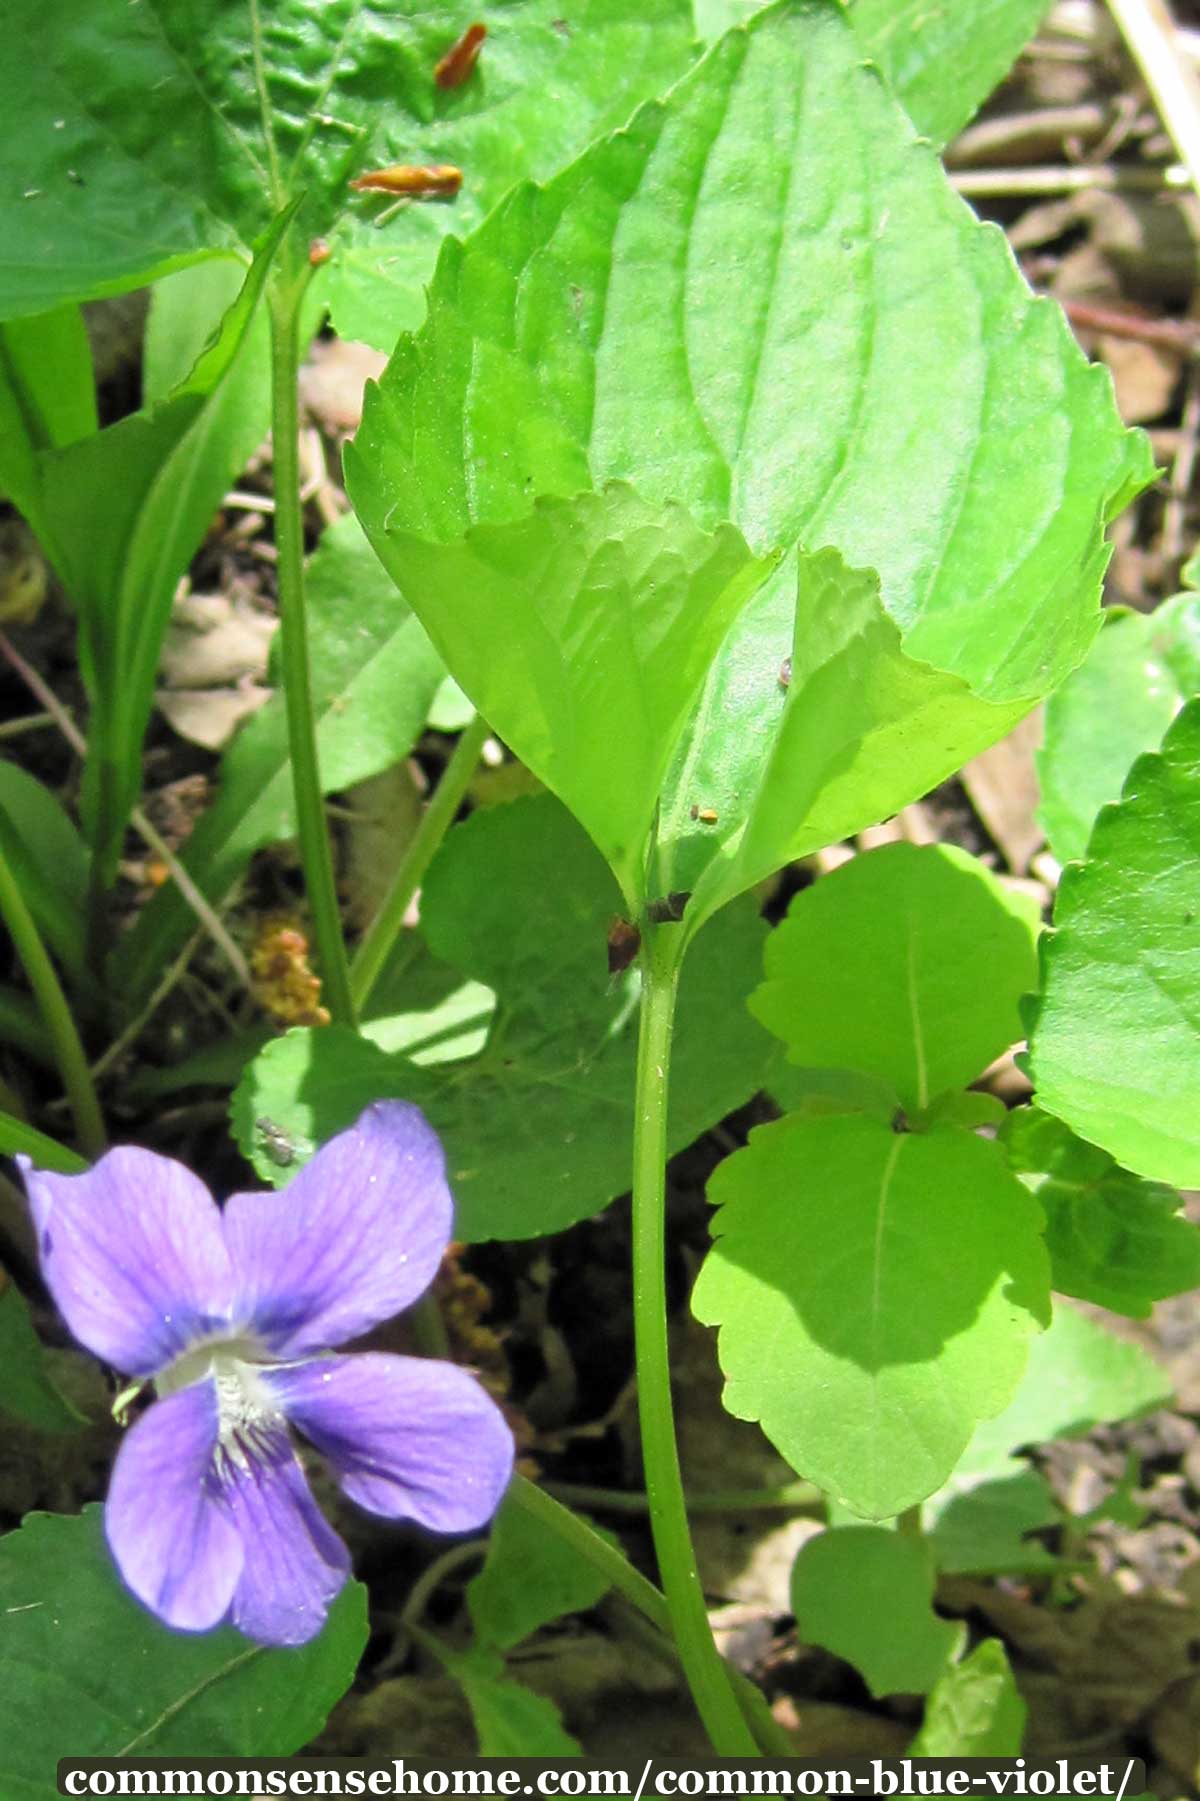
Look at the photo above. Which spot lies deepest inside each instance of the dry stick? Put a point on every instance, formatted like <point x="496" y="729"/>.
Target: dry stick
<point x="75" y="738"/>
<point x="1174" y="84"/>
<point x="1054" y="178"/>
<point x="1181" y="335"/>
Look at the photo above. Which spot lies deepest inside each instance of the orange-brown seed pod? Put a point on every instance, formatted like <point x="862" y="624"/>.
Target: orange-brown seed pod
<point x="461" y="58"/>
<point x="421" y="181"/>
<point x="319" y="252"/>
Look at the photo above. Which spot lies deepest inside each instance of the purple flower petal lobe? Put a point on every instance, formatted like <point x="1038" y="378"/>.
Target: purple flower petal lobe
<point x="409" y="1438"/>
<point x="295" y="1563"/>
<point x="173" y="1542"/>
<point x="354" y="1238"/>
<point x="134" y="1256"/>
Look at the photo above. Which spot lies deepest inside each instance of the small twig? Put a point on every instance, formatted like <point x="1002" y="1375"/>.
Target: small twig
<point x="32" y="722"/>
<point x="1174" y="84"/>
<point x="997" y="184"/>
<point x="153" y="839"/>
<point x="1182" y="335"/>
<point x="248" y="503"/>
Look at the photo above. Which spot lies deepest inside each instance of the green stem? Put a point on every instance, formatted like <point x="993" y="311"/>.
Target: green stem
<point x="68" y="1051"/>
<point x="793" y="1497"/>
<point x="708" y="1676"/>
<point x="284" y="294"/>
<point x="385" y="928"/>
<point x="649" y="1601"/>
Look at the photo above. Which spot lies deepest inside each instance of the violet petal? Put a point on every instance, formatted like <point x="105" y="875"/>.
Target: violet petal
<point x="133" y="1253"/>
<point x="354" y="1238"/>
<point x="409" y="1438"/>
<point x="173" y="1542"/>
<point x="295" y="1563"/>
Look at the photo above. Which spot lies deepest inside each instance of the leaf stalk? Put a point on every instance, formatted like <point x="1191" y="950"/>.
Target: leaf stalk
<point x="707" y="1674"/>
<point x="285" y="292"/>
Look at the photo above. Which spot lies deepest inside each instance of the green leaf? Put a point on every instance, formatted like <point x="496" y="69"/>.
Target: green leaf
<point x="534" y="1125"/>
<point x="943" y="60"/>
<point x="1116" y="705"/>
<point x="847" y="1580"/>
<point x="583" y="633"/>
<point x="374" y="675"/>
<point x="906" y="964"/>
<point x="139" y="141"/>
<point x="26" y="1390"/>
<point x="1113" y="1238"/>
<point x="1077" y="1377"/>
<point x="47" y="399"/>
<point x="982" y="1530"/>
<point x="773" y="327"/>
<point x="876" y="1292"/>
<point x="974" y="1710"/>
<point x="1116" y="1043"/>
<point x="510" y="1720"/>
<point x="48" y="860"/>
<point x="766" y="774"/>
<point x="131" y="504"/>
<point x="530" y="1577"/>
<point x="47" y="1153"/>
<point x="85" y="1666"/>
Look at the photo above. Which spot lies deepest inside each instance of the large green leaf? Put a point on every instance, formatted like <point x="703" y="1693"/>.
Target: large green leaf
<point x="876" y="1292"/>
<point x="764" y="301"/>
<point x="975" y="1709"/>
<point x="1113" y="1238"/>
<point x="535" y="1124"/>
<point x="942" y="58"/>
<point x="906" y="964"/>
<point x="26" y="1390"/>
<point x="769" y="769"/>
<point x="845" y="1581"/>
<point x="1116" y="705"/>
<point x="583" y="634"/>
<point x="87" y="1670"/>
<point x="374" y="676"/>
<point x="1116" y="1044"/>
<point x="138" y="131"/>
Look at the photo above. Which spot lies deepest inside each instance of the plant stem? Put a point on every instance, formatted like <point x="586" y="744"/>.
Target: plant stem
<point x="436" y="821"/>
<point x="285" y="292"/>
<point x="68" y="1051"/>
<point x="707" y="1675"/>
<point x="793" y="1497"/>
<point x="641" y="1594"/>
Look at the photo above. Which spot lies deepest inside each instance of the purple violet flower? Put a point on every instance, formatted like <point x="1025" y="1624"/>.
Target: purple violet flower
<point x="232" y="1312"/>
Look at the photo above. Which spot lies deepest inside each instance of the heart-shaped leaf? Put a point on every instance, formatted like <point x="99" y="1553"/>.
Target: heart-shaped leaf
<point x="876" y="1292"/>
<point x="519" y="899"/>
<point x="907" y="964"/>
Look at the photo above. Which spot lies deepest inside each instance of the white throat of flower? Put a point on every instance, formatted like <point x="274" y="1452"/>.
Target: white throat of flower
<point x="248" y="1415"/>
